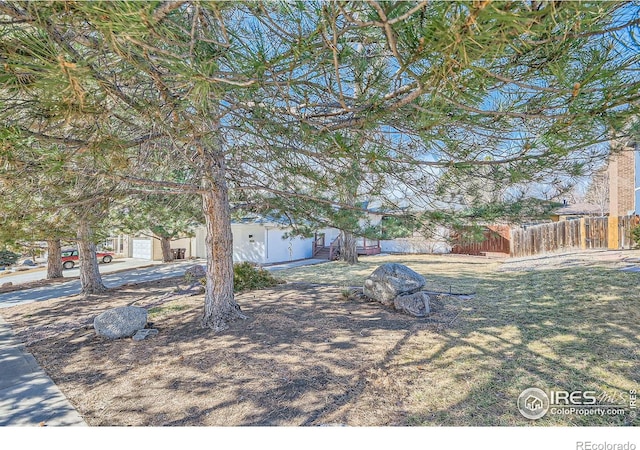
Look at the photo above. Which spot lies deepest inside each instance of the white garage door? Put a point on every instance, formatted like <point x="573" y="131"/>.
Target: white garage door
<point x="141" y="248"/>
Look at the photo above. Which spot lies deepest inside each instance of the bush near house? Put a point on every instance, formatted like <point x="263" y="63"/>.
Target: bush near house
<point x="635" y="235"/>
<point x="248" y="276"/>
<point x="8" y="258"/>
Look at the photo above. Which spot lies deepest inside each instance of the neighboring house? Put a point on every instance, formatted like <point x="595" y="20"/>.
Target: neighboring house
<point x="575" y="211"/>
<point x="258" y="240"/>
<point x="117" y="244"/>
<point x="624" y="179"/>
<point x="261" y="240"/>
<point x="419" y="244"/>
<point x="416" y="243"/>
<point x="144" y="247"/>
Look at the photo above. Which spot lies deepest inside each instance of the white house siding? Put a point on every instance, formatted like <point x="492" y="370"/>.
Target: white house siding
<point x="330" y="234"/>
<point x="278" y="249"/>
<point x="248" y="243"/>
<point x="262" y="244"/>
<point x="200" y="251"/>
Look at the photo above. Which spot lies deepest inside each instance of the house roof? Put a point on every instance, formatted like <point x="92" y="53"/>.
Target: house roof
<point x="262" y="220"/>
<point x="581" y="209"/>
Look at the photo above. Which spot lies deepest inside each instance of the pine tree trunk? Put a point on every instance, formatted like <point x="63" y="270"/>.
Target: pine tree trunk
<point x="165" y="245"/>
<point x="54" y="259"/>
<point x="220" y="307"/>
<point x="348" y="248"/>
<point x="90" y="279"/>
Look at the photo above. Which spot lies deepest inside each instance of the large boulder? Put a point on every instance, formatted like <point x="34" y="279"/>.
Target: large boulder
<point x="416" y="304"/>
<point x="120" y="322"/>
<point x="390" y="280"/>
<point x="195" y="273"/>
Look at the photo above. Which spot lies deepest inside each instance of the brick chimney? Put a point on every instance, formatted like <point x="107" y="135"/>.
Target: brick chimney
<point x="621" y="180"/>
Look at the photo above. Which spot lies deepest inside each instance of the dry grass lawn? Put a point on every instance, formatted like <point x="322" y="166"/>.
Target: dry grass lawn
<point x="311" y="355"/>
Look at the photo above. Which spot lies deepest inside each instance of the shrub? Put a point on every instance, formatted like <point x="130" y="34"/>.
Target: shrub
<point x="8" y="258"/>
<point x="635" y="235"/>
<point x="248" y="277"/>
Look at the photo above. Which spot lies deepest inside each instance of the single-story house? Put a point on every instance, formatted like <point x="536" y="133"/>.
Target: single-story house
<point x="255" y="239"/>
<point x="419" y="244"/>
<point x="261" y="240"/>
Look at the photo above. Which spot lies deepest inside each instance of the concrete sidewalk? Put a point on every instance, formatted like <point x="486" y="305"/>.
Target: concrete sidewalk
<point x="28" y="397"/>
<point x="292" y="264"/>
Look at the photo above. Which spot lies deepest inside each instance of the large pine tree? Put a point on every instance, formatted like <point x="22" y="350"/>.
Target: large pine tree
<point x="519" y="86"/>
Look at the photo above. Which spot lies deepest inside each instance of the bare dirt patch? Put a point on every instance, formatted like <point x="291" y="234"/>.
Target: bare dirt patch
<point x="306" y="351"/>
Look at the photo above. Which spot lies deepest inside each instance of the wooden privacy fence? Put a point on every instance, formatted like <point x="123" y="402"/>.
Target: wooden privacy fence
<point x="596" y="232"/>
<point x="625" y="225"/>
<point x="496" y="239"/>
<point x="544" y="238"/>
<point x="584" y="233"/>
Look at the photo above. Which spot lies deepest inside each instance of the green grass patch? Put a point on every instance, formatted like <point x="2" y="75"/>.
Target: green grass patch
<point x="157" y="311"/>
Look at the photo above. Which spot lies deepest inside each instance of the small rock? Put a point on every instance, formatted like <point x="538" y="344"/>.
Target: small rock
<point x="145" y="333"/>
<point x="416" y="304"/>
<point x="28" y="262"/>
<point x="120" y="322"/>
<point x="7" y="284"/>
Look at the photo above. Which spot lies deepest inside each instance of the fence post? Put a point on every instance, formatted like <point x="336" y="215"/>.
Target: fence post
<point x="512" y="243"/>
<point x="583" y="233"/>
<point x="613" y="235"/>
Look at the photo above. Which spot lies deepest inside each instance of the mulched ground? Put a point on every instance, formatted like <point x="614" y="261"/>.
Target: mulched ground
<point x="303" y="355"/>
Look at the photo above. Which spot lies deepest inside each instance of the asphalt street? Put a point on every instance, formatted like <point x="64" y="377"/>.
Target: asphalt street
<point x="110" y="280"/>
<point x="156" y="272"/>
<point x="41" y="273"/>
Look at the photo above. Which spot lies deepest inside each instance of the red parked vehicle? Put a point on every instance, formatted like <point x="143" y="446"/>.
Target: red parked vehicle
<point x="70" y="256"/>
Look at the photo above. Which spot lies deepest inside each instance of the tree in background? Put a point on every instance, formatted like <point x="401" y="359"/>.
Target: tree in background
<point x="43" y="202"/>
<point x="164" y="217"/>
<point x="598" y="190"/>
<point x="36" y="201"/>
<point x="523" y="88"/>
